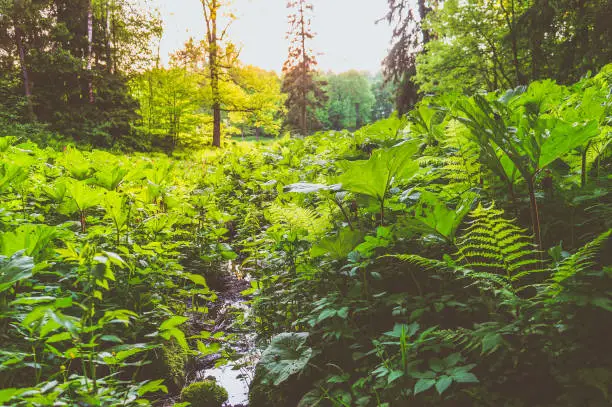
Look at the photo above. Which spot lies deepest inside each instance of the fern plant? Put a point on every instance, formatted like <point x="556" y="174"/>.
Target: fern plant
<point x="581" y="261"/>
<point x="493" y="244"/>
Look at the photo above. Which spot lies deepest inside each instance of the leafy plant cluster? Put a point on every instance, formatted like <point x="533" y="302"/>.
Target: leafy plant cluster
<point x="459" y="256"/>
<point x="102" y="264"/>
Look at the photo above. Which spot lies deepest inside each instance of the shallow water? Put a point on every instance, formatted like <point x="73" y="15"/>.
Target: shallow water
<point x="235" y="376"/>
<point x="232" y="380"/>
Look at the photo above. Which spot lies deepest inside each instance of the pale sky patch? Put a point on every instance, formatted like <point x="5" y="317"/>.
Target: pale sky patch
<point x="347" y="34"/>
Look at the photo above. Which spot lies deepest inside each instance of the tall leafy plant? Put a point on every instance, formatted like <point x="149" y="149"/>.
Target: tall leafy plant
<point x="524" y="127"/>
<point x="375" y="176"/>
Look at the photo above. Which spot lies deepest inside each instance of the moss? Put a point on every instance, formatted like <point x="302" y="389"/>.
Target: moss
<point x="168" y="363"/>
<point x="175" y="358"/>
<point x="204" y="394"/>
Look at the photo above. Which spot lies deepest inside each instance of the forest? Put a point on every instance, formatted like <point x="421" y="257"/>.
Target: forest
<point x="194" y="230"/>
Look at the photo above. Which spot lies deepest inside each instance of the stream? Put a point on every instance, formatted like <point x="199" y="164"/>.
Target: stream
<point x="227" y="312"/>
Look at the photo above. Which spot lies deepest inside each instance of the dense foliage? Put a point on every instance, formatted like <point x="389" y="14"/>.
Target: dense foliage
<point x="66" y="64"/>
<point x="466" y="46"/>
<point x="412" y="273"/>
<point x="456" y="255"/>
<point x="93" y="292"/>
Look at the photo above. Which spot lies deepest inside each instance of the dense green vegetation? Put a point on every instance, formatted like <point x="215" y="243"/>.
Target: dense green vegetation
<point x="436" y="235"/>
<point x="473" y="45"/>
<point x="395" y="264"/>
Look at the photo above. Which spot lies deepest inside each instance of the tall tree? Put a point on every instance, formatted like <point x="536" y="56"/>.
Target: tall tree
<point x="90" y="87"/>
<point x="70" y="53"/>
<point x="384" y="97"/>
<point x="489" y="45"/>
<point x="349" y="100"/>
<point x="409" y="39"/>
<point x="305" y="92"/>
<point x="215" y="37"/>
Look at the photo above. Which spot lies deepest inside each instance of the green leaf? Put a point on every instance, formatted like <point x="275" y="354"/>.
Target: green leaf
<point x="443" y="383"/>
<point x="423" y="385"/>
<point x="433" y="213"/>
<point x="172" y="322"/>
<point x="375" y="176"/>
<point x="564" y="137"/>
<point x="196" y="279"/>
<point x="337" y="247"/>
<point x="287" y="355"/>
<point x="210" y="349"/>
<point x="394" y="375"/>
<point x="152" y="387"/>
<point x="464" y="377"/>
<point x="7" y="394"/>
<point x="111" y="338"/>
<point x="16" y="268"/>
<point x="63" y="336"/>
<point x="33" y="300"/>
<point x="436" y="365"/>
<point x="491" y="342"/>
<point x="176" y="334"/>
<point x="34" y="240"/>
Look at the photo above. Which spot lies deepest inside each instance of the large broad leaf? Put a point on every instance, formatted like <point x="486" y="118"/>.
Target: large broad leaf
<point x="564" y="137"/>
<point x="382" y="130"/>
<point x="75" y="162"/>
<point x="14" y="269"/>
<point x="33" y="239"/>
<point x="115" y="205"/>
<point x="375" y="176"/>
<point x="287" y="355"/>
<point x="434" y="215"/>
<point x="11" y="174"/>
<point x="428" y="122"/>
<point x="337" y="247"/>
<point x="83" y="196"/>
<point x="110" y="178"/>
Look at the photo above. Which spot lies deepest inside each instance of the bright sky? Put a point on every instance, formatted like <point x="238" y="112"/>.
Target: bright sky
<point x="347" y="36"/>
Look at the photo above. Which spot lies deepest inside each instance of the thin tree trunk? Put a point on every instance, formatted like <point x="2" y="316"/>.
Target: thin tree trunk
<point x="357" y="116"/>
<point x="24" y="72"/>
<point x="216" y="125"/>
<point x="90" y="86"/>
<point x="107" y="38"/>
<point x="210" y="14"/>
<point x="304" y="72"/>
<point x="513" y="39"/>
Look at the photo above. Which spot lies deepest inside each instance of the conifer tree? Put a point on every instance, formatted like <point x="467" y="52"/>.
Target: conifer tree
<point x="305" y="92"/>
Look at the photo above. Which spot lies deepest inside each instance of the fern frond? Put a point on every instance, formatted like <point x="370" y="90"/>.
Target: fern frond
<point x="297" y="217"/>
<point x="487" y="281"/>
<point x="492" y="244"/>
<point x="425" y="263"/>
<point x="581" y="261"/>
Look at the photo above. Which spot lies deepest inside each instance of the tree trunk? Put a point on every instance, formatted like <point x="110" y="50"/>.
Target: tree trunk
<point x="107" y="38"/>
<point x="357" y="116"/>
<point x="210" y="14"/>
<point x="90" y="87"/>
<point x="24" y="72"/>
<point x="511" y="24"/>
<point x="304" y="73"/>
<point x="216" y="125"/>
